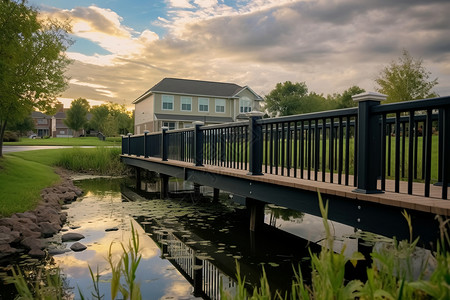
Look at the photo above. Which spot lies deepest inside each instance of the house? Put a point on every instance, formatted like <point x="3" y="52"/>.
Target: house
<point x="59" y="128"/>
<point x="176" y="103"/>
<point x="42" y="124"/>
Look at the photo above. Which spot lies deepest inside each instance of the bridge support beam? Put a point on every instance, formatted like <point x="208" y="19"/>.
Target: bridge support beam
<point x="369" y="136"/>
<point x="216" y="195"/>
<point x="198" y="277"/>
<point x="256" y="213"/>
<point x="138" y="178"/>
<point x="164" y="186"/>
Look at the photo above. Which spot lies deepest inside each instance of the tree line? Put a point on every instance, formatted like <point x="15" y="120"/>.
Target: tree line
<point x="110" y="119"/>
<point x="402" y="80"/>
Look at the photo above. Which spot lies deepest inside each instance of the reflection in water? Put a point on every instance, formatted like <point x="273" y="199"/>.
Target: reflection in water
<point x="189" y="246"/>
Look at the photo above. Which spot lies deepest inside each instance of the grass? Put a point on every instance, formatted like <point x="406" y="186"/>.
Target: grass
<point x="80" y="141"/>
<point x="24" y="174"/>
<point x="21" y="182"/>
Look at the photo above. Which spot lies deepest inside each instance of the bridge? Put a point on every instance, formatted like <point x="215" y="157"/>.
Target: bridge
<point x="370" y="162"/>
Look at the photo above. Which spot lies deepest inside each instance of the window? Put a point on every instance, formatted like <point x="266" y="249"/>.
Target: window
<point x="220" y="105"/>
<point x="170" y="125"/>
<point x="186" y="103"/>
<point x="167" y="102"/>
<point x="203" y="104"/>
<point x="42" y="121"/>
<point x="245" y="105"/>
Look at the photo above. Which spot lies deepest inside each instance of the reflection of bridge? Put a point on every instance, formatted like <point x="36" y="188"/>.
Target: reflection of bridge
<point x="371" y="162"/>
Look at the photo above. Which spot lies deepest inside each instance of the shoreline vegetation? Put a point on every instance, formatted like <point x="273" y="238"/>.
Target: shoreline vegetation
<point x="24" y="174"/>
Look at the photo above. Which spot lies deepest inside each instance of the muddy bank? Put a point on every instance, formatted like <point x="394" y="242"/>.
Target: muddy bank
<point x="24" y="232"/>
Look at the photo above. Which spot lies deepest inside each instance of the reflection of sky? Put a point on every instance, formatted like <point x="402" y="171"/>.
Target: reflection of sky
<point x="311" y="228"/>
<point x="158" y="278"/>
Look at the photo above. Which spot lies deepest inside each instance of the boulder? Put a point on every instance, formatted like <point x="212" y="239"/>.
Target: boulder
<point x="78" y="247"/>
<point x="32" y="243"/>
<point x="49" y="229"/>
<point x="37" y="253"/>
<point x="72" y="236"/>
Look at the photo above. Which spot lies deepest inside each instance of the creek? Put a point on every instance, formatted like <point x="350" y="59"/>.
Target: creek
<point x="189" y="244"/>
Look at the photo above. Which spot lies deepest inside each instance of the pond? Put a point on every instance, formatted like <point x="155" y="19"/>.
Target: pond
<point x="189" y="244"/>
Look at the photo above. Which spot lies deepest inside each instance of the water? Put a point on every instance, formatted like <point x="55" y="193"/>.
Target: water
<point x="189" y="245"/>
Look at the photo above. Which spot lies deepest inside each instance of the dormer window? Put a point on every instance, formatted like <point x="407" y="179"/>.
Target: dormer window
<point x="245" y="105"/>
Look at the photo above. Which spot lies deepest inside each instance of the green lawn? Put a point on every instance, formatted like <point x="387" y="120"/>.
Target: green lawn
<point x="24" y="174"/>
<point x="80" y="141"/>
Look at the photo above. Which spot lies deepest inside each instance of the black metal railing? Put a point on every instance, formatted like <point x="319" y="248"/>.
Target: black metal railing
<point x="363" y="146"/>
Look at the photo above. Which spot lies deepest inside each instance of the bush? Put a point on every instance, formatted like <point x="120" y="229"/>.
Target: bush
<point x="10" y="136"/>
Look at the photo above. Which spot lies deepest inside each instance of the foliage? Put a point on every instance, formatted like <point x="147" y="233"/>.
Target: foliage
<point x="405" y="79"/>
<point x="22" y="126"/>
<point x="32" y="62"/>
<point x="345" y="100"/>
<point x="285" y="99"/>
<point x="76" y="115"/>
<point x="111" y="119"/>
<point x="10" y="136"/>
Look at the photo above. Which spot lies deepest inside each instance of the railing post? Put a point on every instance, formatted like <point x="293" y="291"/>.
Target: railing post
<point x="129" y="143"/>
<point x="198" y="143"/>
<point x="145" y="144"/>
<point x="255" y="143"/>
<point x="164" y="143"/>
<point x="445" y="151"/>
<point x="369" y="135"/>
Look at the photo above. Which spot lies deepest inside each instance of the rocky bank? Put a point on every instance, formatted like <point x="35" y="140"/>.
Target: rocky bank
<point x="24" y="232"/>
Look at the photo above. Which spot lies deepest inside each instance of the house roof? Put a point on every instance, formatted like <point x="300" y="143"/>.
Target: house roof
<point x="194" y="87"/>
<point x="39" y="115"/>
<point x="192" y="118"/>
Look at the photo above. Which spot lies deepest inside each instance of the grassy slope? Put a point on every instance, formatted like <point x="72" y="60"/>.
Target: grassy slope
<point x="21" y="182"/>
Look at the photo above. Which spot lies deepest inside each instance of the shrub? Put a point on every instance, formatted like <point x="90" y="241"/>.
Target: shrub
<point x="10" y="136"/>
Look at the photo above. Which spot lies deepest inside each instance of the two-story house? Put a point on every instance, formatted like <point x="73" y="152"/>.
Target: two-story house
<point x="176" y="103"/>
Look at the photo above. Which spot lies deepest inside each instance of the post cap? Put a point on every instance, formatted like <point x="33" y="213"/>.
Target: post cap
<point x="254" y="113"/>
<point x="369" y="96"/>
<point x="164" y="128"/>
<point x="129" y="134"/>
<point x="198" y="123"/>
<point x="146" y="131"/>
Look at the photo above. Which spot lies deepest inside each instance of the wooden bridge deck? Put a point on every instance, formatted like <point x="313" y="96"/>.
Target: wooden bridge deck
<point x="433" y="204"/>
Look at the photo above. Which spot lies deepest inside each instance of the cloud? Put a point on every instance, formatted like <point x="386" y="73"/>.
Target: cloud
<point x="331" y="45"/>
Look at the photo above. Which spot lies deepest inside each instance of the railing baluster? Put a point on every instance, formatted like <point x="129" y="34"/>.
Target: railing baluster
<point x="331" y="150"/>
<point x="410" y="151"/>
<point x="355" y="154"/>
<point x="341" y="150"/>
<point x="277" y="145"/>
<point x="389" y="150"/>
<point x="428" y="153"/>
<point x="316" y="148"/>
<point x="383" y="152"/>
<point x="288" y="148"/>
<point x="324" y="149"/>
<point x="403" y="148"/>
<point x="295" y="149"/>
<point x="283" y="149"/>
<point x="397" y="152"/>
<point x="271" y="148"/>
<point x="347" y="149"/>
<point x="309" y="148"/>
<point x="445" y="151"/>
<point x="416" y="150"/>
<point x="302" y="148"/>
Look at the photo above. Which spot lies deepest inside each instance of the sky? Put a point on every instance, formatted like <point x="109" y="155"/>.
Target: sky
<point x="124" y="47"/>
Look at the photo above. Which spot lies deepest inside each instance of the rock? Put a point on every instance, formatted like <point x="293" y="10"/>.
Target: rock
<point x="49" y="229"/>
<point x="72" y="236"/>
<point x="57" y="251"/>
<point x="6" y="250"/>
<point x="27" y="215"/>
<point x="32" y="243"/>
<point x="69" y="197"/>
<point x="78" y="247"/>
<point x="111" y="229"/>
<point x="36" y="252"/>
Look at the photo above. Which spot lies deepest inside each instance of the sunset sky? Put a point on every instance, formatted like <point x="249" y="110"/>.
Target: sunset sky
<point x="123" y="47"/>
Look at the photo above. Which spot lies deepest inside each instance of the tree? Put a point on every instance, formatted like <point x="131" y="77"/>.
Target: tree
<point x="76" y="116"/>
<point x="32" y="62"/>
<point x="22" y="126"/>
<point x="99" y="117"/>
<point x="111" y="119"/>
<point x="345" y="100"/>
<point x="285" y="99"/>
<point x="406" y="79"/>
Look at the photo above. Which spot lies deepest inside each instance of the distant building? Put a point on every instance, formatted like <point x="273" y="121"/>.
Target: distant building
<point x="176" y="103"/>
<point x="42" y="123"/>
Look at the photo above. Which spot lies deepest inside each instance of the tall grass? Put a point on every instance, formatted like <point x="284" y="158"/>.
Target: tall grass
<point x="100" y="160"/>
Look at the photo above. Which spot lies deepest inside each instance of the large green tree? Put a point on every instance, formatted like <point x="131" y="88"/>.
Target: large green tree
<point x="345" y="100"/>
<point x="76" y="115"/>
<point x="111" y="119"/>
<point x="285" y="98"/>
<point x="405" y="79"/>
<point x="32" y="62"/>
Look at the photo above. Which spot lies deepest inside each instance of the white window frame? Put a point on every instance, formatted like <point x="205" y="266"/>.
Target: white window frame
<point x="167" y="99"/>
<point x="186" y="101"/>
<point x="220" y="103"/>
<point x="204" y="100"/>
<point x="167" y="124"/>
<point x="245" y="105"/>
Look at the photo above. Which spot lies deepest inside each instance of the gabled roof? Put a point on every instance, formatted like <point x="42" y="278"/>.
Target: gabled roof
<point x="193" y="87"/>
<point x="39" y="115"/>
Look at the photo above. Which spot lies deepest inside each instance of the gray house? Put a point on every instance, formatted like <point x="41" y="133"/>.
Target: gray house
<point x="176" y="103"/>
